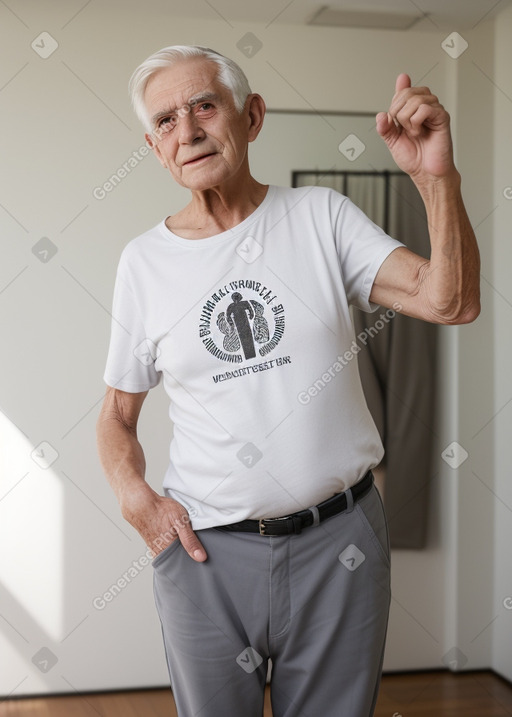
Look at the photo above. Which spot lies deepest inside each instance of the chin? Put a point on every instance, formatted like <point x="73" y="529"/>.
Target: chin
<point x="207" y="181"/>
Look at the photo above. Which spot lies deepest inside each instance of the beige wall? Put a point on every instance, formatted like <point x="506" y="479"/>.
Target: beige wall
<point x="69" y="127"/>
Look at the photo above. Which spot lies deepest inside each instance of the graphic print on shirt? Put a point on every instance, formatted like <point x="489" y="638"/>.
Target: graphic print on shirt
<point x="241" y="321"/>
<point x="236" y="325"/>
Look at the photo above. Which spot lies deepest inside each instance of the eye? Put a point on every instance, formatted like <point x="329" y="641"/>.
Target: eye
<point x="167" y="123"/>
<point x="206" y="110"/>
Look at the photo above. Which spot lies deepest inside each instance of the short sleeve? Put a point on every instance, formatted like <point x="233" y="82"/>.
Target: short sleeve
<point x="362" y="247"/>
<point x="131" y="355"/>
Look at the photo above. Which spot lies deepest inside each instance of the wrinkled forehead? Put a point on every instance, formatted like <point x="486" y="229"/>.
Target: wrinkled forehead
<point x="173" y="87"/>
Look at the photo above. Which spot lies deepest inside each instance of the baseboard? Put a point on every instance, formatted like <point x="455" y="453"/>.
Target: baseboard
<point x="389" y="673"/>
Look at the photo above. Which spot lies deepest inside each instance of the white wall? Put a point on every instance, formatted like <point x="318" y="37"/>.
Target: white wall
<point x="499" y="354"/>
<point x="468" y="517"/>
<point x="477" y="520"/>
<point x="69" y="128"/>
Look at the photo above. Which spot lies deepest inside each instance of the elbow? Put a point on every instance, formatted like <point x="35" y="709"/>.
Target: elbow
<point x="471" y="313"/>
<point x="465" y="317"/>
<point x="467" y="300"/>
<point x="459" y="306"/>
<point x="464" y="313"/>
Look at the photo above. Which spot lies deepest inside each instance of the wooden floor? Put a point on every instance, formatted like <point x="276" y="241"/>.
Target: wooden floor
<point x="424" y="694"/>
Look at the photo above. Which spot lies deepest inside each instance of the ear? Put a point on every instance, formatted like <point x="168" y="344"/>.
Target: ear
<point x="256" y="112"/>
<point x="153" y="144"/>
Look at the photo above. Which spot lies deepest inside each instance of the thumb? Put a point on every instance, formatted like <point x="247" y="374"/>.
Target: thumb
<point x="402" y="82"/>
<point x="191" y="543"/>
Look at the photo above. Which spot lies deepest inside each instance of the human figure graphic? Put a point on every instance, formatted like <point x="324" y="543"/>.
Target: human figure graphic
<point x="239" y="313"/>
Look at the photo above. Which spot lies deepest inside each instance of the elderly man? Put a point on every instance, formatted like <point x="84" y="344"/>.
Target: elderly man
<point x="270" y="538"/>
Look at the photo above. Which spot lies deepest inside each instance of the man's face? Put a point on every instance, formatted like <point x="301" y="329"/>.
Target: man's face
<point x="197" y="133"/>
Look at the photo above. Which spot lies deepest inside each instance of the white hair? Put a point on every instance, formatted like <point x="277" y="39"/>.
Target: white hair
<point x="229" y="74"/>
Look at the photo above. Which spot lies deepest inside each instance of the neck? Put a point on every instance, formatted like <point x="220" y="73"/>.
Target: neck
<point x="218" y="209"/>
<point x="227" y="205"/>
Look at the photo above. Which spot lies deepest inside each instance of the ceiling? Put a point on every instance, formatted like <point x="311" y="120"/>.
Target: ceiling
<point x="440" y="15"/>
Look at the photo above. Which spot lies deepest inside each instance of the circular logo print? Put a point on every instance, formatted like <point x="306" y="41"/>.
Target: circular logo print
<point x="242" y="320"/>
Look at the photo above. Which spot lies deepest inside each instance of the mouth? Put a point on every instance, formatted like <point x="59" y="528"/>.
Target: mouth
<point x="197" y="160"/>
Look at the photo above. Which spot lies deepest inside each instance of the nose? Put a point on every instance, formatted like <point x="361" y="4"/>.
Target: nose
<point x="189" y="129"/>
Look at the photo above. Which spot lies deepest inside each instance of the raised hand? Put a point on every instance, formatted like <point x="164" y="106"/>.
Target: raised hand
<point x="416" y="128"/>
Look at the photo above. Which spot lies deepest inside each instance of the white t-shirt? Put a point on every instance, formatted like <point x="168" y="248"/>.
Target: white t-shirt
<point x="251" y="332"/>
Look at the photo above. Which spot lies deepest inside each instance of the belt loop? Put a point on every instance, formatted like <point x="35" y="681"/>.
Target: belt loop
<point x="316" y="515"/>
<point x="350" y="500"/>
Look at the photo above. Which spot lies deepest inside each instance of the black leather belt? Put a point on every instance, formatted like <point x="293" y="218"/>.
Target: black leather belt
<point x="303" y="518"/>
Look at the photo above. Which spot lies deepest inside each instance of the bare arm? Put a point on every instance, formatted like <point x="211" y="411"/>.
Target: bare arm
<point x="158" y="519"/>
<point x="446" y="288"/>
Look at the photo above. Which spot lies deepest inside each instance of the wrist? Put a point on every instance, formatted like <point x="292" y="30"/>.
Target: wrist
<point x="134" y="498"/>
<point x="446" y="186"/>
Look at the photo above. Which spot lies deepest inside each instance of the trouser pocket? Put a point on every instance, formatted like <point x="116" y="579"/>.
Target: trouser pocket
<point x="371" y="512"/>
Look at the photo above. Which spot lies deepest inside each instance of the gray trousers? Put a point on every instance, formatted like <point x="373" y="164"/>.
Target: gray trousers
<point x="316" y="604"/>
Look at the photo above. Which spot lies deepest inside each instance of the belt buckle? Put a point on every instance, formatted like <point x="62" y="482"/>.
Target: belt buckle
<point x="262" y="521"/>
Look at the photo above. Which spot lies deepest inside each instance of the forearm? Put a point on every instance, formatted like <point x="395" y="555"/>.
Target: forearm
<point x="122" y="459"/>
<point x="449" y="283"/>
<point x="158" y="519"/>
